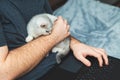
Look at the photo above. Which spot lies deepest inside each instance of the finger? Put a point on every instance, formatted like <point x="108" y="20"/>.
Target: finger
<point x="68" y="27"/>
<point x="55" y="20"/>
<point x="60" y="18"/>
<point x="85" y="61"/>
<point x="100" y="60"/>
<point x="105" y="57"/>
<point x="101" y="55"/>
<point x="65" y="21"/>
<point x="68" y="34"/>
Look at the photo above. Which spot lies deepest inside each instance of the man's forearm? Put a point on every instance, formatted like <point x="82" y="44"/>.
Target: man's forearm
<point x="23" y="59"/>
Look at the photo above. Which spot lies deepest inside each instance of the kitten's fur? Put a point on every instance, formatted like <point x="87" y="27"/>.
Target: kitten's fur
<point x="41" y="24"/>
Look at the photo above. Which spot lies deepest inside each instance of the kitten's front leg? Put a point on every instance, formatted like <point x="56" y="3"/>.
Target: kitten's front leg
<point x="59" y="57"/>
<point x="29" y="38"/>
<point x="60" y="52"/>
<point x="62" y="49"/>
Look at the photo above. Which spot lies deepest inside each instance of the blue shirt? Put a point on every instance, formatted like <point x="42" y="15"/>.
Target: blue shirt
<point x="14" y="15"/>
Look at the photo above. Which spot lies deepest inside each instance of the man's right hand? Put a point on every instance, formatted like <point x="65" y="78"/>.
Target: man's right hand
<point x="60" y="29"/>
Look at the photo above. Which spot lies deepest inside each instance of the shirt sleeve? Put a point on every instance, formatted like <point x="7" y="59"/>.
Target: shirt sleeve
<point x="2" y="37"/>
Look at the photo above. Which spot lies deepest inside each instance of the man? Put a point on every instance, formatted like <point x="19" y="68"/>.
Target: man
<point x="22" y="60"/>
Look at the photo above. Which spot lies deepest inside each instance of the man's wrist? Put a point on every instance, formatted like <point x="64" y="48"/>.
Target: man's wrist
<point x="52" y="39"/>
<point x="73" y="41"/>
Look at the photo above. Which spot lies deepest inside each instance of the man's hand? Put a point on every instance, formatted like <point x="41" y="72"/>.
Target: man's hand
<point x="81" y="51"/>
<point x="60" y="29"/>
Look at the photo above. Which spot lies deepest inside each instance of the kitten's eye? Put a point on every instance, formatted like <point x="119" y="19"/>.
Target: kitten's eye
<point x="43" y="26"/>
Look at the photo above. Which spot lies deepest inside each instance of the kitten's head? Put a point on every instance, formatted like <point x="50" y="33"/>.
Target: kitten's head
<point x="43" y="25"/>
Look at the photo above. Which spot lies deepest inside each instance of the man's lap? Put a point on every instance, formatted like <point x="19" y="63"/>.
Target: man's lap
<point x="69" y="64"/>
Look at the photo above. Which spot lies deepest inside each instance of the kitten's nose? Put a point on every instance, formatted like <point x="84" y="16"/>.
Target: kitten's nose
<point x="47" y="31"/>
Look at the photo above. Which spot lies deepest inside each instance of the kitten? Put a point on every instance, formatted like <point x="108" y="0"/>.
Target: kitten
<point x="41" y="24"/>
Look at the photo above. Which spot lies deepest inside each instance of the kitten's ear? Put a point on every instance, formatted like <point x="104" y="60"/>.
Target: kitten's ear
<point x="52" y="17"/>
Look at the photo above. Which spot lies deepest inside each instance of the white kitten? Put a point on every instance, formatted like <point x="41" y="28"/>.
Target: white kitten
<point x="41" y="24"/>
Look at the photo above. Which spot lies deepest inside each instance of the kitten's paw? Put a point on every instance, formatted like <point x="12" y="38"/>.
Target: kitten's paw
<point x="58" y="59"/>
<point x="55" y="50"/>
<point x="29" y="38"/>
